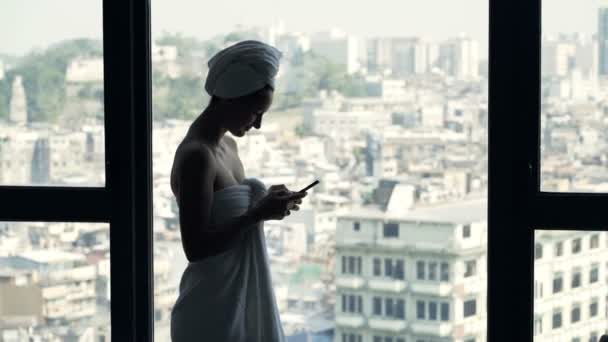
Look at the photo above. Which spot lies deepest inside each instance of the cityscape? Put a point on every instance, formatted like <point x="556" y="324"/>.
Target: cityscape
<point x="391" y="246"/>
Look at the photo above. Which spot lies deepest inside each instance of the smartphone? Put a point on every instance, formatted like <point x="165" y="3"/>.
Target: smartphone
<point x="310" y="186"/>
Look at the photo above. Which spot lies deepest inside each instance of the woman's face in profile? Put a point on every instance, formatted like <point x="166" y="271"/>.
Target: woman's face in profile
<point x="247" y="112"/>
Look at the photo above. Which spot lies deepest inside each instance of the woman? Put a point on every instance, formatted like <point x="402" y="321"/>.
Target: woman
<point x="226" y="292"/>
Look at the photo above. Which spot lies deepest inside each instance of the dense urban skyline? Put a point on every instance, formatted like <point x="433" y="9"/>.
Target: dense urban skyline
<point x="454" y="17"/>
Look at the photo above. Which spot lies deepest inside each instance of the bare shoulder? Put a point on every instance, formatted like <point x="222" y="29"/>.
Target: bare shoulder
<point x="193" y="155"/>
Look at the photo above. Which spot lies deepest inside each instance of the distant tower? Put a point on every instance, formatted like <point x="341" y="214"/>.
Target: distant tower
<point x="602" y="39"/>
<point x="18" y="106"/>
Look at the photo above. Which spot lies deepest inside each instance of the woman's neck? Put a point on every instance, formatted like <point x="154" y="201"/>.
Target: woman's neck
<point x="207" y="127"/>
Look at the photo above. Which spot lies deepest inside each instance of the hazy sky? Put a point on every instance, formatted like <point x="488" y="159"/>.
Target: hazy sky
<point x="25" y="24"/>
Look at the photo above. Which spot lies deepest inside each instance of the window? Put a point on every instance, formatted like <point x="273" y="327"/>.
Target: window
<point x="377" y="306"/>
<point x="388" y="267"/>
<point x="594" y="241"/>
<point x="344" y="264"/>
<point x="433" y="311"/>
<point x="351" y="264"/>
<point x="575" y="314"/>
<point x="594" y="273"/>
<point x="358" y="265"/>
<point x="399" y="269"/>
<point x="576" y="246"/>
<point x="593" y="307"/>
<point x="359" y="304"/>
<point x="466" y="231"/>
<point x="538" y="251"/>
<point x="557" y="282"/>
<point x="420" y="274"/>
<point x="420" y="310"/>
<point x="432" y="270"/>
<point x="377" y="265"/>
<point x="445" y="271"/>
<point x="559" y="249"/>
<point x="388" y="307"/>
<point x="538" y="325"/>
<point x="470" y="307"/>
<point x="352" y="303"/>
<point x="557" y="319"/>
<point x="576" y="278"/>
<point x="391" y="230"/>
<point x="470" y="268"/>
<point x="445" y="312"/>
<point x="593" y="337"/>
<point x="356" y="226"/>
<point x="400" y="309"/>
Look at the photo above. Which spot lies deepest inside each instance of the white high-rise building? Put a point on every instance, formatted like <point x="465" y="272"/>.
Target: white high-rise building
<point x="340" y="48"/>
<point x="570" y="286"/>
<point x="459" y="57"/>
<point x="418" y="276"/>
<point x="18" y="105"/>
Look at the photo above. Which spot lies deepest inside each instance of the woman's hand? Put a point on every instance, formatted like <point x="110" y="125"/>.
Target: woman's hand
<point x="278" y="203"/>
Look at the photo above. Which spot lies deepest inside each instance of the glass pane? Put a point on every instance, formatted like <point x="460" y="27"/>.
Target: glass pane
<point x="51" y="93"/>
<point x="54" y="281"/>
<point x="573" y="113"/>
<point x="570" y="288"/>
<point x="389" y="112"/>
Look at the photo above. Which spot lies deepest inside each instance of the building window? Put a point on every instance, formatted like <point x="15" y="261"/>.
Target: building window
<point x="359" y="265"/>
<point x="344" y="264"/>
<point x="356" y="226"/>
<point x="594" y="273"/>
<point x="466" y="231"/>
<point x="538" y="325"/>
<point x="538" y="251"/>
<point x="593" y="307"/>
<point x="400" y="309"/>
<point x="557" y="319"/>
<point x="344" y="306"/>
<point x="576" y="246"/>
<point x="420" y="313"/>
<point x="351" y="303"/>
<point x="470" y="308"/>
<point x="557" y="283"/>
<point x="391" y="230"/>
<point x="575" y="314"/>
<point x="377" y="306"/>
<point x="351" y="264"/>
<point x="559" y="249"/>
<point x="445" y="312"/>
<point x="576" y="278"/>
<point x="377" y="265"/>
<point x="470" y="268"/>
<point x="445" y="271"/>
<point x="388" y="267"/>
<point x="399" y="270"/>
<point x="359" y="304"/>
<point x="594" y="241"/>
<point x="433" y="311"/>
<point x="377" y="339"/>
<point x="593" y="337"/>
<point x="432" y="270"/>
<point x="388" y="307"/>
<point x="420" y="270"/>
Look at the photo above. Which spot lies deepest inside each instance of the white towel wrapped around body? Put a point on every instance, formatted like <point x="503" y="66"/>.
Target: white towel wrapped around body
<point x="229" y="296"/>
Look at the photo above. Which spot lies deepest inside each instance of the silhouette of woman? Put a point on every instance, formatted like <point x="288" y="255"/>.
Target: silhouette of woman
<point x="226" y="292"/>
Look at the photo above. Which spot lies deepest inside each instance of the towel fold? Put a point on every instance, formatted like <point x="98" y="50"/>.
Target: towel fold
<point x="229" y="296"/>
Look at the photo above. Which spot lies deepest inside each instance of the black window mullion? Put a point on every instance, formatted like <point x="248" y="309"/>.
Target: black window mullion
<point x="54" y="204"/>
<point x="570" y="211"/>
<point x="514" y="103"/>
<point x="128" y="170"/>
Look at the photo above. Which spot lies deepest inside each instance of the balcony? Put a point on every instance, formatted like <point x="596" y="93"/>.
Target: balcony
<point x="431" y="288"/>
<point x="387" y="285"/>
<point x="395" y="326"/>
<point x="350" y="320"/>
<point x="350" y="282"/>
<point x="440" y="329"/>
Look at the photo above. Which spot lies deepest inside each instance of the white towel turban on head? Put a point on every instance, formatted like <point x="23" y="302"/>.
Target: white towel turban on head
<point x="242" y="69"/>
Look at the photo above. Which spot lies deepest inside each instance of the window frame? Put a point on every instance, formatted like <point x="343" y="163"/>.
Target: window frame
<point x="125" y="202"/>
<point x="516" y="205"/>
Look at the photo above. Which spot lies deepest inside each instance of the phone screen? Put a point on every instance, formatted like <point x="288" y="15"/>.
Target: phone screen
<point x="310" y="186"/>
